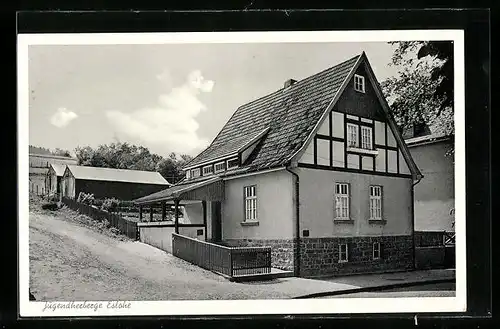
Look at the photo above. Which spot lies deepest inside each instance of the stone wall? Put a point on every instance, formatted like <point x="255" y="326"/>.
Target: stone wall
<point x="283" y="251"/>
<point x="320" y="256"/>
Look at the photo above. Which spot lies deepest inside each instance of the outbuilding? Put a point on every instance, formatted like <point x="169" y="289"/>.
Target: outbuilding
<point x="103" y="183"/>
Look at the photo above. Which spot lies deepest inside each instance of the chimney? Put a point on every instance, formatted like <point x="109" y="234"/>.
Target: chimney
<point x="289" y="82"/>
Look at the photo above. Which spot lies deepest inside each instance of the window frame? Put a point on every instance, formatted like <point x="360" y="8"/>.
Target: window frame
<point x="347" y="196"/>
<point x="207" y="173"/>
<point x="349" y="135"/>
<point x="379" y="250"/>
<point x="341" y="253"/>
<point x="232" y="159"/>
<point x="198" y="170"/>
<point x="219" y="163"/>
<point x="250" y="208"/>
<point x="377" y="205"/>
<point x="369" y="137"/>
<point x="359" y="80"/>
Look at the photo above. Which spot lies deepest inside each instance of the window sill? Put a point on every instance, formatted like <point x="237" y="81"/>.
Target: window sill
<point x="377" y="221"/>
<point x="343" y="261"/>
<point x="343" y="221"/>
<point x="363" y="151"/>
<point x="250" y="223"/>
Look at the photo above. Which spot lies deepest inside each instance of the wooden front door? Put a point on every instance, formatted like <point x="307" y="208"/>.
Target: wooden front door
<point x="216" y="221"/>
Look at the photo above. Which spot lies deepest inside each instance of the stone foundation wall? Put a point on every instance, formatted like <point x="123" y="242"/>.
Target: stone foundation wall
<point x="283" y="251"/>
<point x="320" y="256"/>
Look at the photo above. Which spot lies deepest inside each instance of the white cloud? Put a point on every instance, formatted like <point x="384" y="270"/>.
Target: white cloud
<point x="170" y="126"/>
<point x="62" y="117"/>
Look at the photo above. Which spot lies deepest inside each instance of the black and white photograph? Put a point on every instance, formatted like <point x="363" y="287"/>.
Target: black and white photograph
<point x="241" y="173"/>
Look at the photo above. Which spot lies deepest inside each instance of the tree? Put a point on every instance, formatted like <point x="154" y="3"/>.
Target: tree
<point x="422" y="91"/>
<point x="61" y="152"/>
<point x="126" y="156"/>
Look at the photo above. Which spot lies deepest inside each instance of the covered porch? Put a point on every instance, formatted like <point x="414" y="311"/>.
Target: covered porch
<point x="197" y="236"/>
<point x="196" y="209"/>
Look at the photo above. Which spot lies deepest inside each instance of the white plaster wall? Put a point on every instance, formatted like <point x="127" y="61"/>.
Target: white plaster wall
<point x="323" y="152"/>
<point x="275" y="207"/>
<point x="338" y="124"/>
<point x="317" y="204"/>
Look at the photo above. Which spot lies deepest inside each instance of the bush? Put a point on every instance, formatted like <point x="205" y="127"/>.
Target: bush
<point x="110" y="205"/>
<point x="86" y="198"/>
<point x="50" y="206"/>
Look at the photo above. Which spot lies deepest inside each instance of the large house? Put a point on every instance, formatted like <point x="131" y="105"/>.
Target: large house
<point x="122" y="184"/>
<point x="317" y="170"/>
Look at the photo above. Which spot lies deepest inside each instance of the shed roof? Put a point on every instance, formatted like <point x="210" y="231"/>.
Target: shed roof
<point x="58" y="168"/>
<point x="117" y="175"/>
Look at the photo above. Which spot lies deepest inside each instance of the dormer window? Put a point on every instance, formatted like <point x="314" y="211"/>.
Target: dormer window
<point x="207" y="170"/>
<point x="195" y="173"/>
<point x="359" y="83"/>
<point x="220" y="167"/>
<point x="232" y="163"/>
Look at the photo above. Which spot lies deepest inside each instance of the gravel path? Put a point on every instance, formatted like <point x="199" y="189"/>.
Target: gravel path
<point x="69" y="261"/>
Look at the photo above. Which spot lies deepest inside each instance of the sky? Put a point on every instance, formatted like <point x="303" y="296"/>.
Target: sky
<point x="167" y="97"/>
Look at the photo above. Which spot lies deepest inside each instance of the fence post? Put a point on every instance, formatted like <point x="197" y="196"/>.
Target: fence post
<point x="231" y="269"/>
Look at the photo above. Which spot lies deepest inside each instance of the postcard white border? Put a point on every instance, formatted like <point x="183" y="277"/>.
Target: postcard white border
<point x="246" y="307"/>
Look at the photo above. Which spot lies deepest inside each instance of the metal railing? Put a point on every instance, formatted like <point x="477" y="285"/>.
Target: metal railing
<point x="449" y="238"/>
<point x="230" y="261"/>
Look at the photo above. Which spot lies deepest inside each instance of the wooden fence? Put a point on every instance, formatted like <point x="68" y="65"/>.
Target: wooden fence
<point x="231" y="261"/>
<point x="126" y="227"/>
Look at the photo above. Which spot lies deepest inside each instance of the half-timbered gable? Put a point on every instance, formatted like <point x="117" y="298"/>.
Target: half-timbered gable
<point x="358" y="134"/>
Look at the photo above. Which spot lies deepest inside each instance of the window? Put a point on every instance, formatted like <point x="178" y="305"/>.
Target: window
<point x="195" y="173"/>
<point x="376" y="250"/>
<point x="220" y="166"/>
<point x="343" y="253"/>
<point x="232" y="163"/>
<point x="188" y="174"/>
<point x="376" y="202"/>
<point x="359" y="83"/>
<point x="207" y="170"/>
<point x="366" y="137"/>
<point x="342" y="201"/>
<point x="250" y="203"/>
<point x="352" y="135"/>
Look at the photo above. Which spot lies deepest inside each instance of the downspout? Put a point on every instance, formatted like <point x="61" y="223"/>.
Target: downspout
<point x="413" y="218"/>
<point x="297" y="215"/>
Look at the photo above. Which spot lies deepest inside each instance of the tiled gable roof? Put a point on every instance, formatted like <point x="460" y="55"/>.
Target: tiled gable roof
<point x="290" y="114"/>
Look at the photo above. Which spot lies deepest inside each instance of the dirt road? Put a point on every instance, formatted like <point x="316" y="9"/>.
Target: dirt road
<point x="72" y="262"/>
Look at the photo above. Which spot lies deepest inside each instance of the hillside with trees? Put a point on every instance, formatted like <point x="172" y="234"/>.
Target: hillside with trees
<point x="127" y="156"/>
<point x="46" y="151"/>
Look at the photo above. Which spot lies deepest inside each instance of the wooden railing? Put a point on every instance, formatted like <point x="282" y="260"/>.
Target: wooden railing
<point x="231" y="261"/>
<point x="128" y="228"/>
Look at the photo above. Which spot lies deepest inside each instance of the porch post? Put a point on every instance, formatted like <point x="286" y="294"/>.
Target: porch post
<point x="151" y="213"/>
<point x="140" y="213"/>
<point x="163" y="210"/>
<point x="176" y="216"/>
<point x="204" y="206"/>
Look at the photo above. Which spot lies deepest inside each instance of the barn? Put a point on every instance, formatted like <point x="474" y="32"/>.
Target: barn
<point x="104" y="183"/>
